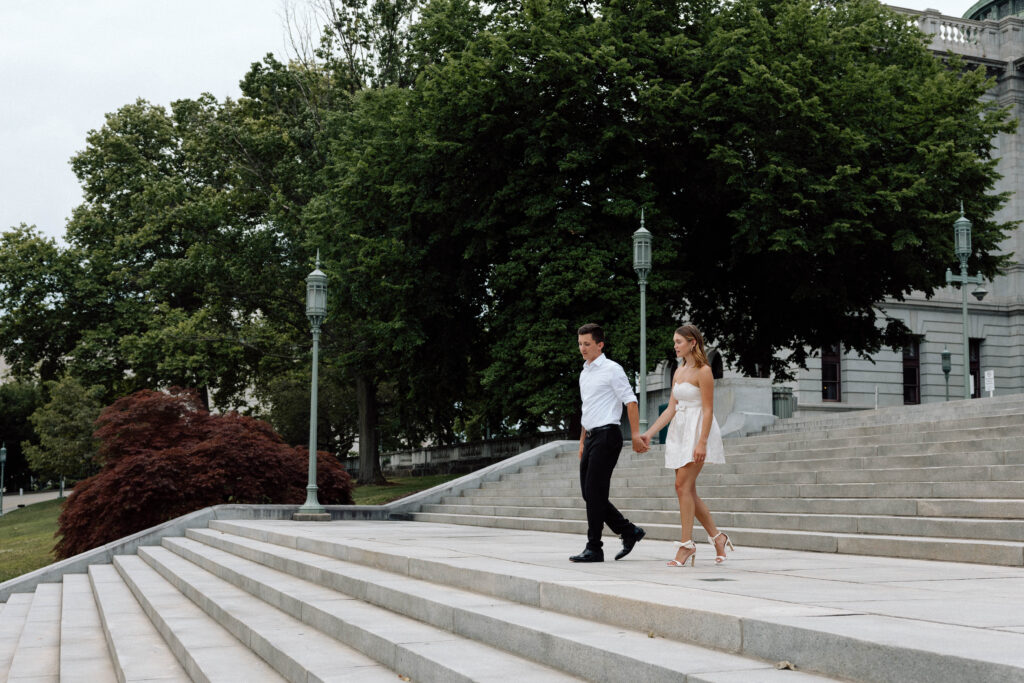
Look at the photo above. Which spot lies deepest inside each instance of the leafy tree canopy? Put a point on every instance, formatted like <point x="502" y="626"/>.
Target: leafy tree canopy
<point x="64" y="426"/>
<point x="472" y="174"/>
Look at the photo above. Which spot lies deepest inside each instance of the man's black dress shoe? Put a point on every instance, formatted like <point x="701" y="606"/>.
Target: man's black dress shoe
<point x="630" y="540"/>
<point x="588" y="555"/>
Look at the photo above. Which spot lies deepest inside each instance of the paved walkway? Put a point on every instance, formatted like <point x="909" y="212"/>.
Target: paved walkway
<point x="972" y="595"/>
<point x="13" y="500"/>
<point x="886" y="619"/>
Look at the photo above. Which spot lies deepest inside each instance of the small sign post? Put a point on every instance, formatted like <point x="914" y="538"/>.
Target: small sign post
<point x="990" y="382"/>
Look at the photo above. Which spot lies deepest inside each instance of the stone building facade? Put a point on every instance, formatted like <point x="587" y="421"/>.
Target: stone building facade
<point x="837" y="380"/>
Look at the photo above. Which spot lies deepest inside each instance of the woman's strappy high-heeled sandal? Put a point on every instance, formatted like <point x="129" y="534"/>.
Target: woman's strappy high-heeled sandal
<point x="719" y="559"/>
<point x="692" y="557"/>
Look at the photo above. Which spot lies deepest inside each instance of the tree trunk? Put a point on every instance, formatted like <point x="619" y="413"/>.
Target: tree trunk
<point x="369" y="457"/>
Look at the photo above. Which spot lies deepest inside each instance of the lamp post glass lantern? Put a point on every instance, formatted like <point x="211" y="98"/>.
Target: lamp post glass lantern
<point x="316" y="310"/>
<point x="642" y="266"/>
<point x="962" y="249"/>
<point x="962" y="232"/>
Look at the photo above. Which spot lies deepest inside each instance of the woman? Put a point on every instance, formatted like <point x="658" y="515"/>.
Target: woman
<point x="693" y="439"/>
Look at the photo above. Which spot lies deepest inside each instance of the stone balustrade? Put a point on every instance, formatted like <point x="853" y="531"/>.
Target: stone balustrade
<point x="460" y="457"/>
<point x="991" y="40"/>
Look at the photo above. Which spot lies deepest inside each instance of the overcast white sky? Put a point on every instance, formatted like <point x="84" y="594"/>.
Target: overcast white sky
<point x="66" y="63"/>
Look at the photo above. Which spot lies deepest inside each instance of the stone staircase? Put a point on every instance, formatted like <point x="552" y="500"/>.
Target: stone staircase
<point x="938" y="482"/>
<point x="365" y="601"/>
<point x="478" y="589"/>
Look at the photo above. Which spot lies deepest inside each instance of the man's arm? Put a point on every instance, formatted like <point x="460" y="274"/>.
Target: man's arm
<point x="583" y="433"/>
<point x="633" y="411"/>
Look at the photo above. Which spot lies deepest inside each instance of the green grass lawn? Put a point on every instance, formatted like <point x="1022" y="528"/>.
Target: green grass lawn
<point x="26" y="538"/>
<point x="398" y="487"/>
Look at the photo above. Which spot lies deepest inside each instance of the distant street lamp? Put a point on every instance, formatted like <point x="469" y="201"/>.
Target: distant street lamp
<point x="962" y="231"/>
<point x="947" y="365"/>
<point x="3" y="461"/>
<point x="316" y="310"/>
<point x="642" y="266"/>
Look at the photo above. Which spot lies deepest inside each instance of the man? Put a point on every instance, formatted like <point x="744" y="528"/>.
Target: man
<point x="604" y="390"/>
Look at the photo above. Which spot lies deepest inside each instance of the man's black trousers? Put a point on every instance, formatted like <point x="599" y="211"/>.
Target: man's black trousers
<point x="600" y="454"/>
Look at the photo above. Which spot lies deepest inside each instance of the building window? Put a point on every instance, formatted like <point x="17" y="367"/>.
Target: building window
<point x="912" y="372"/>
<point x="831" y="384"/>
<point x="975" y="345"/>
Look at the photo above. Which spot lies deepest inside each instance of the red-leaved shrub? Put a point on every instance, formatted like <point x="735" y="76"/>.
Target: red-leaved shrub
<point x="165" y="456"/>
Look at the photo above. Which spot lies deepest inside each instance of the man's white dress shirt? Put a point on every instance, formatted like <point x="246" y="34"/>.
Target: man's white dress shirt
<point x="604" y="389"/>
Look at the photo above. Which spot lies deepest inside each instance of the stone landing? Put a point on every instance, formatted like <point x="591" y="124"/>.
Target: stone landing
<point x="367" y="601"/>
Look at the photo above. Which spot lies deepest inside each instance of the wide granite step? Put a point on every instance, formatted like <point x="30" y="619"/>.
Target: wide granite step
<point x="727" y="608"/>
<point x="1006" y="553"/>
<point x="11" y="624"/>
<point x="655" y="464"/>
<point x="138" y="651"/>
<point x="889" y="417"/>
<point x="592" y="650"/>
<point x="205" y="649"/>
<point x="1012" y="509"/>
<point x="993" y="418"/>
<point x="1010" y="425"/>
<point x="36" y="658"/>
<point x="644" y="477"/>
<point x="940" y="527"/>
<point x="952" y="489"/>
<point x="84" y="655"/>
<point x="313" y="613"/>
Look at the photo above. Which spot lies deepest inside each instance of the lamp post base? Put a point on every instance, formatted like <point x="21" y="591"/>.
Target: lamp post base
<point x="311" y="517"/>
<point x="311" y="510"/>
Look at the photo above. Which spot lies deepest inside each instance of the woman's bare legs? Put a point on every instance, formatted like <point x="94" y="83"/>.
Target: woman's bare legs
<point x="686" y="491"/>
<point x="703" y="515"/>
<point x="691" y="505"/>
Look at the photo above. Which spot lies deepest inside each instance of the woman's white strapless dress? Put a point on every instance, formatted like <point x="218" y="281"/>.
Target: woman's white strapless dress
<point x="684" y="429"/>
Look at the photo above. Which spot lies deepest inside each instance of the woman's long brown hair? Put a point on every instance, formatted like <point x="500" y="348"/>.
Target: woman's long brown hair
<point x="691" y="333"/>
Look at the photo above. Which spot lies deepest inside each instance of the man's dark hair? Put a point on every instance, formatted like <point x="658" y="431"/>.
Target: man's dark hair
<point x="594" y="330"/>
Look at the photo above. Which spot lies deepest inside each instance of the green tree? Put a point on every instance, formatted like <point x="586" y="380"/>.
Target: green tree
<point x="406" y="289"/>
<point x="64" y="427"/>
<point x="813" y="171"/>
<point x="542" y="164"/>
<point x="404" y="315"/>
<point x="798" y="163"/>
<point x="337" y="415"/>
<point x="473" y="173"/>
<point x="18" y="401"/>
<point x="150" y="215"/>
<point x="366" y="42"/>
<point x="37" y="278"/>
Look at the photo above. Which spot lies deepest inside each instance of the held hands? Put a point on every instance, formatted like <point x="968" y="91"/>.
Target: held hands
<point x="639" y="445"/>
